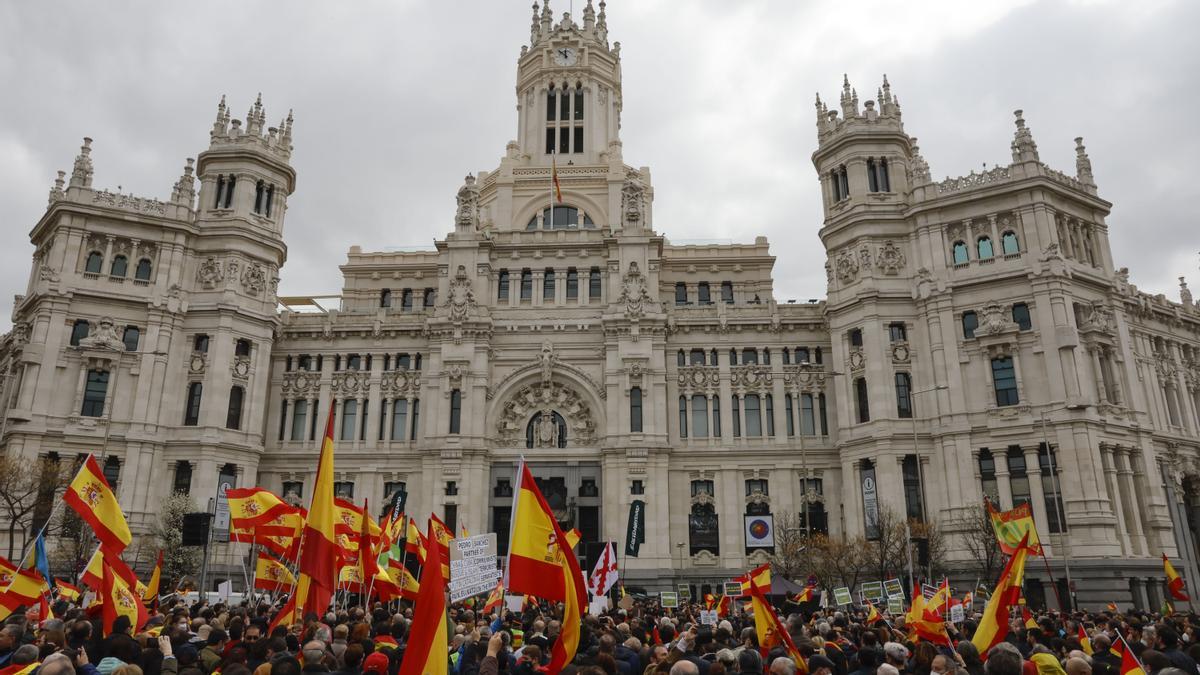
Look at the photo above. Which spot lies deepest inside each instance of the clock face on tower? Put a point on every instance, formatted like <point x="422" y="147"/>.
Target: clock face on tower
<point x="565" y="56"/>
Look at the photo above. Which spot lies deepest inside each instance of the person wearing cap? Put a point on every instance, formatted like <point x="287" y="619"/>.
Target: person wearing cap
<point x="896" y="655"/>
<point x="375" y="664"/>
<point x="817" y="665"/>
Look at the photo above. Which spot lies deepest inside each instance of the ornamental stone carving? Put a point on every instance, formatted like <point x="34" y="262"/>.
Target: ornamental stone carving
<point x="900" y="352"/>
<point x="350" y="382"/>
<point x="468" y="204"/>
<point x="460" y="300"/>
<point x="803" y="378"/>
<point x="700" y="378"/>
<point x="541" y="400"/>
<point x="545" y="432"/>
<point x="301" y="383"/>
<point x="633" y="200"/>
<point x="752" y="378"/>
<point x="890" y="259"/>
<point x="104" y="337"/>
<point x="994" y="320"/>
<point x="254" y="279"/>
<point x="400" y="383"/>
<point x="546" y="360"/>
<point x="856" y="360"/>
<point x="634" y="295"/>
<point x="210" y="274"/>
<point x="1099" y="319"/>
<point x="240" y="367"/>
<point x="846" y="267"/>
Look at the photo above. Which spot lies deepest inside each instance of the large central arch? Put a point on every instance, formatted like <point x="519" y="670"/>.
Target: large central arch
<point x="547" y="405"/>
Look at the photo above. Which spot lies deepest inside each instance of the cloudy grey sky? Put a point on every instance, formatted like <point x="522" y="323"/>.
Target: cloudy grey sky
<point x="395" y="101"/>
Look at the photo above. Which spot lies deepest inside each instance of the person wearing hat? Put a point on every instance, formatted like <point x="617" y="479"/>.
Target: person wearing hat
<point x="375" y="664"/>
<point x="818" y="665"/>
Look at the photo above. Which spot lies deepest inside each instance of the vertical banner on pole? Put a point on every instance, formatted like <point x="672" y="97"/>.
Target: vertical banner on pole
<point x="225" y="481"/>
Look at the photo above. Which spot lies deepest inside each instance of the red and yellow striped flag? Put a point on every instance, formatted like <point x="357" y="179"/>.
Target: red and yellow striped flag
<point x="541" y="563"/>
<point x="93" y="499"/>
<point x="1174" y="581"/>
<point x="426" y="653"/>
<point x="67" y="591"/>
<point x="494" y="599"/>
<point x="993" y="627"/>
<point x="554" y="179"/>
<point x="1084" y="641"/>
<point x="771" y="631"/>
<point x="252" y="506"/>
<point x="759" y="576"/>
<point x="151" y="593"/>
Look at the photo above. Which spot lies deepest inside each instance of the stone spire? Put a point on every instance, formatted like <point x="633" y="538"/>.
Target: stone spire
<point x="1185" y="295"/>
<point x="256" y="117"/>
<point x="81" y="174"/>
<point x="889" y="106"/>
<point x="920" y="168"/>
<point x="535" y="28"/>
<point x="547" y="18"/>
<point x="602" y="24"/>
<point x="589" y="17"/>
<point x="56" y="192"/>
<point x="849" y="99"/>
<point x="184" y="192"/>
<point x="1083" y="164"/>
<point x="221" y="125"/>
<point x="822" y="114"/>
<point x="1023" y="147"/>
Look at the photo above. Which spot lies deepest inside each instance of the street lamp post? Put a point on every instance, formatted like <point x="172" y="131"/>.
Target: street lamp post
<point x="920" y="475"/>
<point x="1055" y="486"/>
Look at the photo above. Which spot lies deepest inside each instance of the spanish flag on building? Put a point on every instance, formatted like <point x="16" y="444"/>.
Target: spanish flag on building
<point x="541" y="564"/>
<point x="428" y="643"/>
<point x="93" y="499"/>
<point x="318" y="549"/>
<point x="1174" y="581"/>
<point x="993" y="627"/>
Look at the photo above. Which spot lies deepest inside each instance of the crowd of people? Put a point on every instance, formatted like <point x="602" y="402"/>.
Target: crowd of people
<point x="202" y="639"/>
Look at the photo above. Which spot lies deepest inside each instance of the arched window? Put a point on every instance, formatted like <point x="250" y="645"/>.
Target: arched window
<point x="406" y="300"/>
<point x="94" y="393"/>
<point x="260" y="194"/>
<point x="766" y="356"/>
<point x="787" y="356"/>
<point x="960" y="253"/>
<point x="712" y="354"/>
<point x="241" y="347"/>
<point x="840" y="183"/>
<point x="229" y="186"/>
<point x="970" y="321"/>
<point x="270" y="198"/>
<point x="502" y="286"/>
<point x="680" y="358"/>
<point x="856" y="337"/>
<point x="95" y="262"/>
<point x="562" y="218"/>
<point x="984" y="248"/>
<point x="220" y="192"/>
<point x="144" y="268"/>
<point x="532" y="427"/>
<point x="789" y="419"/>
<point x="904" y="395"/>
<point x="233" y="418"/>
<point x="770" y="413"/>
<point x="119" y="267"/>
<point x="526" y="284"/>
<point x="572" y="283"/>
<point x="191" y="413"/>
<point x="594" y="284"/>
<point x="683" y="424"/>
<point x="131" y="337"/>
<point x="1009" y="243"/>
<point x="863" y="401"/>
<point x="807" y="422"/>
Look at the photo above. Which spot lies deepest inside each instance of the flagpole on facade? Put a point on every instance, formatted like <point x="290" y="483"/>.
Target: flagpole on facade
<point x="553" y="152"/>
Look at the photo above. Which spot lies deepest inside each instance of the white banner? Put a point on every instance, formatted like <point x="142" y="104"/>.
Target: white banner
<point x="760" y="531"/>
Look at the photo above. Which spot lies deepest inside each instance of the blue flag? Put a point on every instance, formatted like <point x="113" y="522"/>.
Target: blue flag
<point x="40" y="561"/>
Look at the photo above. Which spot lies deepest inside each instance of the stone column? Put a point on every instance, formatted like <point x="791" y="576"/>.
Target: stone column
<point x="108" y="250"/>
<point x="288" y="418"/>
<point x="389" y="417"/>
<point x="1125" y="472"/>
<point x="1097" y="373"/>
<point x="1037" y="488"/>
<point x="360" y="424"/>
<point x="1002" y="479"/>
<point x="536" y="292"/>
<point x="1111" y="482"/>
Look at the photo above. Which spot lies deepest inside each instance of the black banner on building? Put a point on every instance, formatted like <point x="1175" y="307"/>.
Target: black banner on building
<point x="635" y="533"/>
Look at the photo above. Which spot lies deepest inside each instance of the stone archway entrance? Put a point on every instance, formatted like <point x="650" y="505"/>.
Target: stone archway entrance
<point x="546" y="414"/>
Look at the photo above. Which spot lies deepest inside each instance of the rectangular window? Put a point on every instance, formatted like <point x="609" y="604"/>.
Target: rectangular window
<point x="283" y="419"/>
<point x="727" y="292"/>
<point x="200" y="343"/>
<point x="1004" y="378"/>
<point x="94" y="393"/>
<point x="183" y="477"/>
<point x="406" y="300"/>
<point x="683" y="425"/>
<point x="790" y="421"/>
<point x="703" y="295"/>
<point x="904" y="396"/>
<point x="1018" y="477"/>
<point x="343" y="489"/>
<point x="578" y="104"/>
<point x="349" y="418"/>
<point x="578" y="139"/>
<point x="987" y="477"/>
<point x="564" y="138"/>
<point x="131" y="338"/>
<point x="681" y="296"/>
<point x="233" y="414"/>
<point x="821" y="411"/>
<point x="79" y="330"/>
<point x="696" y="357"/>
<point x="897" y="332"/>
<point x="550" y="139"/>
<point x="737" y="417"/>
<point x="749" y="357"/>
<point x="716" y="417"/>
<point x="430" y="297"/>
<point x="362" y="426"/>
<point x="383" y="410"/>
<point x="299" y="417"/>
<point x="862" y="400"/>
<point x="1050" y="487"/>
<point x="502" y="286"/>
<point x="699" y="416"/>
<point x="292" y="488"/>
<point x="635" y="410"/>
<point x="451" y="513"/>
<point x="856" y="337"/>
<point x="455" y="411"/>
<point x="526" y="284"/>
<point x="801" y="355"/>
<point x="594" y="284"/>
<point x="191" y="413"/>
<point x="753" y="415"/>
<point x="913" y="499"/>
<point x="1021" y="317"/>
<point x="970" y="321"/>
<point x="770" y="412"/>
<point x="807" y="428"/>
<point x="572" y="283"/>
<point x="399" y="419"/>
<point x="416" y="413"/>
<point x="548" y="289"/>
<point x="757" y="485"/>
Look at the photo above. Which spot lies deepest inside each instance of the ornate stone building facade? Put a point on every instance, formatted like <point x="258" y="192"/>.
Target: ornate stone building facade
<point x="976" y="337"/>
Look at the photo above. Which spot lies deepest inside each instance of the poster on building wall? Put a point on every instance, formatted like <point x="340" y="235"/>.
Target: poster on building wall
<point x="870" y="503"/>
<point x="760" y="531"/>
<point x="635" y="532"/>
<point x="221" y="523"/>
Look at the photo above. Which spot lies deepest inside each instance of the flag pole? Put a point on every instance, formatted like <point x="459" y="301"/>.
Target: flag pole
<point x="553" y="153"/>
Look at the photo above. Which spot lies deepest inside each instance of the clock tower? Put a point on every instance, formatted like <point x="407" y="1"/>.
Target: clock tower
<point x="569" y="89"/>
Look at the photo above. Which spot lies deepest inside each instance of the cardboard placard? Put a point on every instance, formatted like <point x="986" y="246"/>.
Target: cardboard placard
<point x="842" y="597"/>
<point x="895" y="605"/>
<point x="514" y="603"/>
<point x="668" y="599"/>
<point x="708" y="617"/>
<point x="685" y="592"/>
<point x="957" y="614"/>
<point x="598" y="606"/>
<point x="733" y="589"/>
<point x="472" y="566"/>
<point x="872" y="590"/>
<point x="893" y="588"/>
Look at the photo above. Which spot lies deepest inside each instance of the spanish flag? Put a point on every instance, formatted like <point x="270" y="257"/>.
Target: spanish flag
<point x="1027" y="617"/>
<point x="318" y="550"/>
<point x="541" y="564"/>
<point x="941" y="598"/>
<point x="93" y="574"/>
<point x="254" y="506"/>
<point x="805" y="595"/>
<point x="494" y="599"/>
<point x="759" y="576"/>
<point x="1174" y="581"/>
<point x="1129" y="662"/>
<point x="1084" y="641"/>
<point x="771" y="632"/>
<point x="7" y="571"/>
<point x="368" y="562"/>
<point x="26" y="588"/>
<point x="994" y="625"/>
<point x="93" y="499"/>
<point x="924" y="622"/>
<point x="1112" y="607"/>
<point x="272" y="575"/>
<point x="873" y="615"/>
<point x="1012" y="527"/>
<point x="554" y="180"/>
<point x="67" y="591"/>
<point x="23" y="669"/>
<point x="427" y="652"/>
<point x="151" y="593"/>
<point x="409" y="586"/>
<point x="119" y="599"/>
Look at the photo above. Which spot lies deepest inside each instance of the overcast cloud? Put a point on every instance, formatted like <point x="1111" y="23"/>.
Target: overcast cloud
<point x="396" y="101"/>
